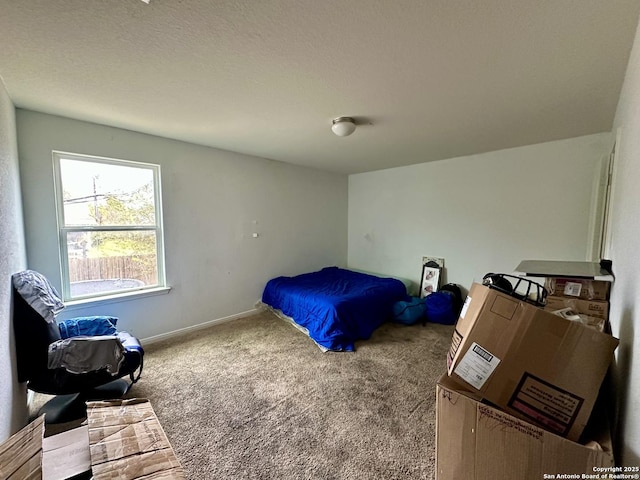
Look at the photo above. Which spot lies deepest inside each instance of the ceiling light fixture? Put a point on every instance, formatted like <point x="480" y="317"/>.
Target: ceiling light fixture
<point x="343" y="126"/>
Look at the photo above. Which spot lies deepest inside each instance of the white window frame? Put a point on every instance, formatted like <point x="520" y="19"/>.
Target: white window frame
<point x="63" y="229"/>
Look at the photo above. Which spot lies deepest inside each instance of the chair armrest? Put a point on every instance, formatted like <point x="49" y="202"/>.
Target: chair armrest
<point x="130" y="343"/>
<point x="86" y="354"/>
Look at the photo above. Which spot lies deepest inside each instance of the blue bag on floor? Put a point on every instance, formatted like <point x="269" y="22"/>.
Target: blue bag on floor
<point x="410" y="311"/>
<point x="440" y="308"/>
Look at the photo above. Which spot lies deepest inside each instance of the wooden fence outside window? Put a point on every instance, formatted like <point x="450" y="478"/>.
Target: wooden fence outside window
<point x="139" y="267"/>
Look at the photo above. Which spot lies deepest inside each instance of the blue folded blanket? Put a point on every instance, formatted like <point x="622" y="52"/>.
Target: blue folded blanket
<point x="90" y="326"/>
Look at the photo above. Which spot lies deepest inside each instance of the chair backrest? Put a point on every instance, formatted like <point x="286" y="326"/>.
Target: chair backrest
<point x="33" y="335"/>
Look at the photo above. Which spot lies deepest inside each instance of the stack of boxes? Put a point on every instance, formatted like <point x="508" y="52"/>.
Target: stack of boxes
<point x="588" y="299"/>
<point x="521" y="386"/>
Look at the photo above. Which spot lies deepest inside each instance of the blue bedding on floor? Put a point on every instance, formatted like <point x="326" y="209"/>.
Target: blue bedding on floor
<point x="336" y="306"/>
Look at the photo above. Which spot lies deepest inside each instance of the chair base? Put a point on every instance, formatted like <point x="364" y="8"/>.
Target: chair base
<point x="67" y="408"/>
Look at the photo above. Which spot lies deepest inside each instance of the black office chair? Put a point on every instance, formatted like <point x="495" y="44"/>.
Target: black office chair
<point x="34" y="335"/>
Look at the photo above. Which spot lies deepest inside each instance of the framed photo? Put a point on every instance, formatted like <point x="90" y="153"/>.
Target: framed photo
<point x="430" y="279"/>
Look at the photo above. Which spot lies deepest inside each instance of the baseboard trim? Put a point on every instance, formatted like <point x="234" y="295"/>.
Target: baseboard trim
<point x="194" y="328"/>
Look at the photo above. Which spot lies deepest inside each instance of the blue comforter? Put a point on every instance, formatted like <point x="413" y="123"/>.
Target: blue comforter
<point x="336" y="306"/>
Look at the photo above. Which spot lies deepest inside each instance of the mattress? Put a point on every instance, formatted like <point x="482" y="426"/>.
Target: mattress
<point x="336" y="306"/>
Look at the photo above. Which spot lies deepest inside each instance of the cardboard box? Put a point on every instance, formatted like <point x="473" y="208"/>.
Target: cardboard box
<point x="599" y="324"/>
<point x="534" y="365"/>
<point x="127" y="442"/>
<point x="21" y="454"/>
<point x="585" y="289"/>
<point x="480" y="442"/>
<point x="594" y="308"/>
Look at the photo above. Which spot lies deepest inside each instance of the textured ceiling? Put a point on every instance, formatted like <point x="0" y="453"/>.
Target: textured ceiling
<point x="429" y="79"/>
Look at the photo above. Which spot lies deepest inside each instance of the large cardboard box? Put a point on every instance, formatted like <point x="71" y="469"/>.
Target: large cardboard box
<point x="535" y="365"/>
<point x="594" y="308"/>
<point x="127" y="442"/>
<point x="584" y="288"/>
<point x="477" y="441"/>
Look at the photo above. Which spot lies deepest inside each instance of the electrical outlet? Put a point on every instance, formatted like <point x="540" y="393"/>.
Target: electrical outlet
<point x="438" y="260"/>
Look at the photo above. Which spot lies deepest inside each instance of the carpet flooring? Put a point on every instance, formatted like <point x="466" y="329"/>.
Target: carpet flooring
<point x="256" y="399"/>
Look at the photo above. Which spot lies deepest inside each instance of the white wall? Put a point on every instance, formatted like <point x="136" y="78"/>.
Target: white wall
<point x="481" y="213"/>
<point x="210" y="200"/>
<point x="625" y="243"/>
<point x="13" y="398"/>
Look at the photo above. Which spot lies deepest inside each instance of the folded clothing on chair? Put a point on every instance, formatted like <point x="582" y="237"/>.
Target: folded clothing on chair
<point x="38" y="293"/>
<point x="87" y="354"/>
<point x="90" y="326"/>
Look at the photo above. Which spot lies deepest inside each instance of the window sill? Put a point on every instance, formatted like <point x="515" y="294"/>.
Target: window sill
<point x="115" y="298"/>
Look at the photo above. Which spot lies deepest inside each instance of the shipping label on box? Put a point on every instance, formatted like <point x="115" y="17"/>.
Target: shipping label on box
<point x="535" y="365"/>
<point x="476" y="366"/>
<point x="546" y="404"/>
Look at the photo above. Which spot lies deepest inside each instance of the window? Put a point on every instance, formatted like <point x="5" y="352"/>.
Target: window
<point x="109" y="225"/>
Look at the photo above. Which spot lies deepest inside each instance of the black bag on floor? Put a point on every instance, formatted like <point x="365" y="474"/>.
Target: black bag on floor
<point x="458" y="301"/>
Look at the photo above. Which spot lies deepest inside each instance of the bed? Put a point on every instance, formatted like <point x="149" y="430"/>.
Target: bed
<point x="334" y="306"/>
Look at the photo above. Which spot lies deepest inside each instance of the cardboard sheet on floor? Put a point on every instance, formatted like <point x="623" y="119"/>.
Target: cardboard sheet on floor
<point x="21" y="454"/>
<point x="66" y="454"/>
<point x="127" y="442"/>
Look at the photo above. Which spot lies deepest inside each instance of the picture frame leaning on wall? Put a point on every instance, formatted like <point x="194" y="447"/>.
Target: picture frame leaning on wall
<point x="430" y="280"/>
